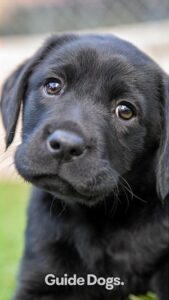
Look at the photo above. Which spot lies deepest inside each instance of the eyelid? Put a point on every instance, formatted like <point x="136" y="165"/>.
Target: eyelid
<point x="54" y="78"/>
<point x="129" y="103"/>
<point x="120" y="101"/>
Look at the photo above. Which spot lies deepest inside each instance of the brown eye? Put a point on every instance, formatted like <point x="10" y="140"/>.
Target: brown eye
<point x="125" y="111"/>
<point x="53" y="86"/>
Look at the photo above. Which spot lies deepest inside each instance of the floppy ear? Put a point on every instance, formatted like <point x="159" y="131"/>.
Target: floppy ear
<point x="15" y="86"/>
<point x="163" y="154"/>
<point x="12" y="95"/>
<point x="14" y="90"/>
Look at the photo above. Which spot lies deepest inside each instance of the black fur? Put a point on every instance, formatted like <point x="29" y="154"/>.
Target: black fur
<point x="107" y="211"/>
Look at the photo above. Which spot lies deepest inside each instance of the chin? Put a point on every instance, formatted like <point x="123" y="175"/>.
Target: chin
<point x="65" y="191"/>
<point x="62" y="189"/>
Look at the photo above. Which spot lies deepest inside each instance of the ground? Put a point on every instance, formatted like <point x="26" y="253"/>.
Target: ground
<point x="13" y="202"/>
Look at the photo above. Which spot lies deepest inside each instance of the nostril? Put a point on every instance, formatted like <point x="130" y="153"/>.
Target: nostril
<point x="54" y="145"/>
<point x="75" y="152"/>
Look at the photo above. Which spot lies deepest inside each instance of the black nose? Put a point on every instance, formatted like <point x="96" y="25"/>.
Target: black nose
<point x="65" y="144"/>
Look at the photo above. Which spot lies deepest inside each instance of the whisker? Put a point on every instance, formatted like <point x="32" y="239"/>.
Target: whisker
<point x="63" y="207"/>
<point x="51" y="206"/>
<point x="126" y="195"/>
<point x="129" y="189"/>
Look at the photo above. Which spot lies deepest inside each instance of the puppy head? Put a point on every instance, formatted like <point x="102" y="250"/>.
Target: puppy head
<point x="94" y="113"/>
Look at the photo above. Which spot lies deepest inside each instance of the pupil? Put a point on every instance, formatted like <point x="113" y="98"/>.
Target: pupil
<point x="125" y="112"/>
<point x="53" y="85"/>
<point x="125" y="109"/>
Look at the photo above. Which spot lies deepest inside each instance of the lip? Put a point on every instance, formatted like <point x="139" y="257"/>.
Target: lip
<point x="60" y="187"/>
<point x="43" y="180"/>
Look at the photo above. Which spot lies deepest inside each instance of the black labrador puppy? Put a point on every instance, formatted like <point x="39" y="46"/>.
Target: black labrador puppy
<point x="95" y="143"/>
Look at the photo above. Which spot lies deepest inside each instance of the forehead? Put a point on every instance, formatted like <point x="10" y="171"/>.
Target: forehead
<point x="101" y="56"/>
<point x="94" y="48"/>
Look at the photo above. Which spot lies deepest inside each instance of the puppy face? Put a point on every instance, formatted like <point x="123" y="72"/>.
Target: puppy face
<point x="92" y="116"/>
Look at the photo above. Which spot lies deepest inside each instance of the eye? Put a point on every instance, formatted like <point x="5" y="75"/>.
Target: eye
<point x="53" y="86"/>
<point x="125" y="111"/>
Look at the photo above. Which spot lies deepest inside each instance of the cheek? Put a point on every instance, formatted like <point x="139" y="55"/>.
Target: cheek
<point x="33" y="114"/>
<point x="130" y="146"/>
<point x="131" y="135"/>
<point x="134" y="141"/>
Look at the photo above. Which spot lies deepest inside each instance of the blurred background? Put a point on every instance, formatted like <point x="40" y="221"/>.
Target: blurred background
<point x="24" y="24"/>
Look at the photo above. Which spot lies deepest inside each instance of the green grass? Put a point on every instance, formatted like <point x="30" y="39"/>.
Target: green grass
<point x="13" y="202"/>
<point x="148" y="296"/>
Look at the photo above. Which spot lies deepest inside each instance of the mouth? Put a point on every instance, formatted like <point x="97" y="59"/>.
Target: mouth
<point x="64" y="186"/>
<point x="65" y="190"/>
<point x="62" y="189"/>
